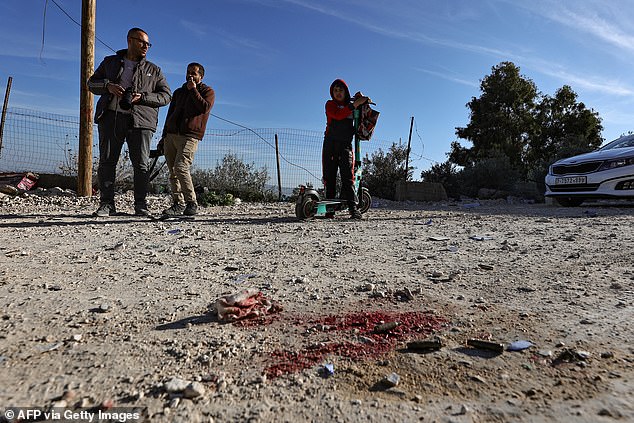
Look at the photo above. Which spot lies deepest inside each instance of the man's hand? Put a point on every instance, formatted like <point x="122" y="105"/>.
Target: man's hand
<point x="190" y="84"/>
<point x="115" y="89"/>
<point x="136" y="98"/>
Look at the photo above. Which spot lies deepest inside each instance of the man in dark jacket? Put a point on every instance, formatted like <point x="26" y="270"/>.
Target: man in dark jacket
<point x="131" y="89"/>
<point x="184" y="127"/>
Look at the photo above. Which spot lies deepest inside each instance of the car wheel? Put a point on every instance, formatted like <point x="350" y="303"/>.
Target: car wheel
<point x="569" y="201"/>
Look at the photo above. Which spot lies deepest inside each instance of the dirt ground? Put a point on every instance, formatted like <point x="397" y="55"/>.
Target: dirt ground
<point x="119" y="311"/>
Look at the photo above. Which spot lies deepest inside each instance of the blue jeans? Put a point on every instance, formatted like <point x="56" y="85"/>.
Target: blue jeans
<point x="114" y="130"/>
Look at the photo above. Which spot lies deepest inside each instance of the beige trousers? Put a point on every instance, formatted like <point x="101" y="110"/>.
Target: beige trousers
<point x="179" y="154"/>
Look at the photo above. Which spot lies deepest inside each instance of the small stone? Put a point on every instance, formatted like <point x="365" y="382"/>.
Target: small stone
<point x="464" y="410"/>
<point x="478" y="379"/>
<point x="391" y="380"/>
<point x="194" y="390"/>
<point x="59" y="404"/>
<point x="104" y="308"/>
<point x="77" y="337"/>
<point x="175" y="385"/>
<point x="607" y="354"/>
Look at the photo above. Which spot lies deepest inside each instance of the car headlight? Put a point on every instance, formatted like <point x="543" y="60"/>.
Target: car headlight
<point x="613" y="164"/>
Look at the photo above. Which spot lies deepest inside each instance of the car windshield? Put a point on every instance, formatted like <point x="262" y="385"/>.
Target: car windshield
<point x="623" y="142"/>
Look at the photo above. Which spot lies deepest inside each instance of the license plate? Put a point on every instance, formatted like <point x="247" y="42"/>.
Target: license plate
<point x="570" y="180"/>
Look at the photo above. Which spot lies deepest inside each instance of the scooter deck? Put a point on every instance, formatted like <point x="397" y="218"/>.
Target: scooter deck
<point x="323" y="206"/>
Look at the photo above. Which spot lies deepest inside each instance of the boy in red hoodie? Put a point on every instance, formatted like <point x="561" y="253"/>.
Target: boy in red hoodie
<point x="337" y="151"/>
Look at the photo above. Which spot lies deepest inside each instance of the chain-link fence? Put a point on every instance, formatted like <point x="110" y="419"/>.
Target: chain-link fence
<point x="40" y="142"/>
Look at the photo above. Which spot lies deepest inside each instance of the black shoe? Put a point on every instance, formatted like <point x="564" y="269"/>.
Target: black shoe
<point x="356" y="214"/>
<point x="175" y="210"/>
<point x="191" y="208"/>
<point x="105" y="209"/>
<point x="141" y="211"/>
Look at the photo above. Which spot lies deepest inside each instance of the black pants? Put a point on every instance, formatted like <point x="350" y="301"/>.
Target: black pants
<point x="338" y="156"/>
<point x="114" y="130"/>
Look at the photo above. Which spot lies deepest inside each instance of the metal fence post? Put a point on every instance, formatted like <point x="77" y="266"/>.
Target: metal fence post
<point x="279" y="175"/>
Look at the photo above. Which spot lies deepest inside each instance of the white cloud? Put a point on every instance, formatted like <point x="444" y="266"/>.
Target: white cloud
<point x="448" y="77"/>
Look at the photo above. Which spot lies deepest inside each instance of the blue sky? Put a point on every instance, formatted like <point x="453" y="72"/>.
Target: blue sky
<point x="271" y="61"/>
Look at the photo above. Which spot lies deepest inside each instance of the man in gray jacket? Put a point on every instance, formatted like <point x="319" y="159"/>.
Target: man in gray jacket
<point x="131" y="89"/>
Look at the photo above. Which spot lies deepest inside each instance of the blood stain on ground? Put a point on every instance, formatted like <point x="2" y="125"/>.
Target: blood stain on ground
<point x="365" y="335"/>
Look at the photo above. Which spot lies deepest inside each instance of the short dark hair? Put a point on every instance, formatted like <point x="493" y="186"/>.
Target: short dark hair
<point x="199" y="66"/>
<point x="134" y="30"/>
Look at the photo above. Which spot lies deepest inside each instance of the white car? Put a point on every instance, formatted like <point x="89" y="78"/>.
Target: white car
<point x="605" y="173"/>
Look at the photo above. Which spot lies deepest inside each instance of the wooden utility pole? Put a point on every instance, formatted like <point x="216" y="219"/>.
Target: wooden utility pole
<point x="4" y="110"/>
<point x="84" y="165"/>
<point x="409" y="142"/>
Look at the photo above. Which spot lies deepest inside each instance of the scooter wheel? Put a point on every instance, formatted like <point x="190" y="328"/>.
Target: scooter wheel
<point x="365" y="201"/>
<point x="306" y="208"/>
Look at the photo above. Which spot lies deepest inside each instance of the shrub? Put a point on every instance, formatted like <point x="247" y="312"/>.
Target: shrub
<point x="211" y="198"/>
<point x="492" y="172"/>
<point x="383" y="170"/>
<point x="233" y="176"/>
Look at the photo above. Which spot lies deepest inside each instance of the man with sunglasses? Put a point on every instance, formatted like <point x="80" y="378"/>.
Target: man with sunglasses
<point x="132" y="89"/>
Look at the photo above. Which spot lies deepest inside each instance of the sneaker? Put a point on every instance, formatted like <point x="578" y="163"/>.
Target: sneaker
<point x="175" y="210"/>
<point x="105" y="209"/>
<point x="191" y="208"/>
<point x="356" y="214"/>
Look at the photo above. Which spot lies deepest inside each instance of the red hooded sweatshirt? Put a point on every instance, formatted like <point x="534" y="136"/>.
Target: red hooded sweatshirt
<point x="339" y="122"/>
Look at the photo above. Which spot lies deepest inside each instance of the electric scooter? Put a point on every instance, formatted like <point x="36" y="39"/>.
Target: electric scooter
<point x="310" y="205"/>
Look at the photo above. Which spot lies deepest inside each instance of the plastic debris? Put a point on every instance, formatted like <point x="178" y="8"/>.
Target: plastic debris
<point x="243" y="278"/>
<point x="480" y="237"/>
<point x="438" y="238"/>
<point x="246" y="304"/>
<point x="327" y="370"/>
<point x="519" y="345"/>
<point x="28" y="181"/>
<point x="452" y="249"/>
<point x="49" y="347"/>
<point x="174" y="231"/>
<point x="426" y="223"/>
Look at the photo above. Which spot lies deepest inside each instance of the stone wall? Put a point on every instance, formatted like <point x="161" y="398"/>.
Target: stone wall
<point x="420" y="191"/>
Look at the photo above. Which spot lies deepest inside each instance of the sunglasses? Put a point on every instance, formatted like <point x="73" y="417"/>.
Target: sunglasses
<point x="145" y="43"/>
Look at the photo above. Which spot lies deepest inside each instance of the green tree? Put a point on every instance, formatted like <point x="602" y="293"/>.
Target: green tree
<point x="501" y="119"/>
<point x="563" y="125"/>
<point x="384" y="169"/>
<point x="511" y="118"/>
